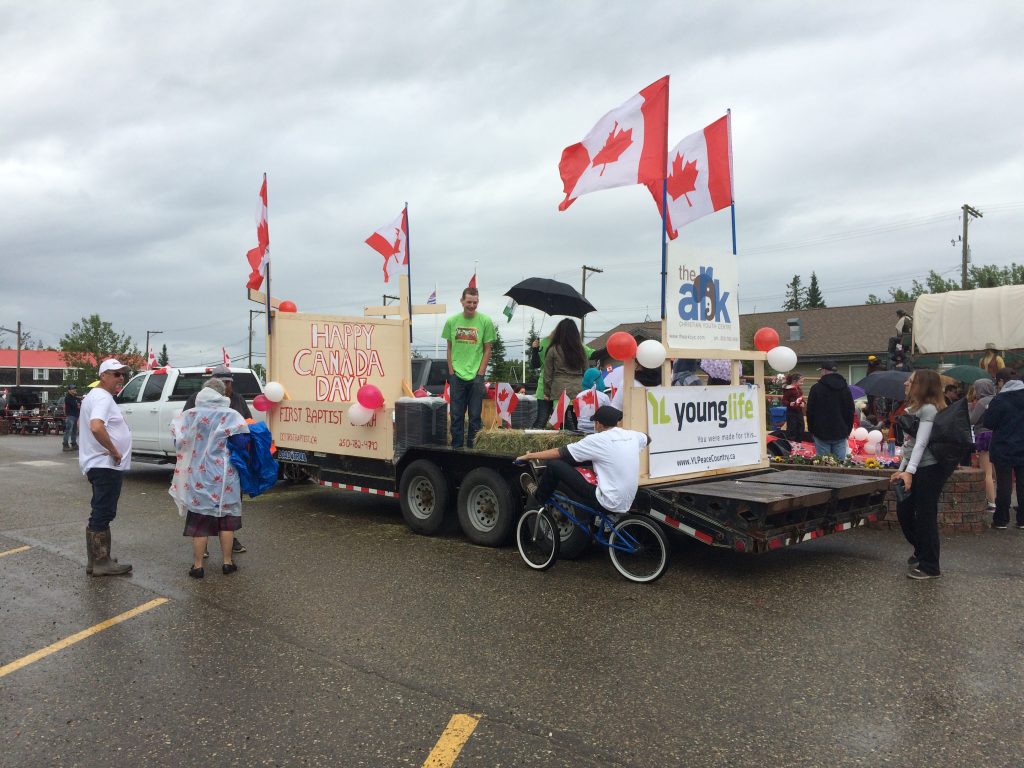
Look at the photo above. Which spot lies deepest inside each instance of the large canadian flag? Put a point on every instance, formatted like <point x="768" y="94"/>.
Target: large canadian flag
<point x="699" y="179"/>
<point x="259" y="257"/>
<point x="627" y="146"/>
<point x="392" y="242"/>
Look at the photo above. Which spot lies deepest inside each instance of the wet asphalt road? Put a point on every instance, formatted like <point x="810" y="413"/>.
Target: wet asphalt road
<point x="346" y="640"/>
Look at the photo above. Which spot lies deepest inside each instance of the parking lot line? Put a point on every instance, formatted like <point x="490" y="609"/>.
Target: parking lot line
<point x="14" y="551"/>
<point x="42" y="653"/>
<point x="454" y="738"/>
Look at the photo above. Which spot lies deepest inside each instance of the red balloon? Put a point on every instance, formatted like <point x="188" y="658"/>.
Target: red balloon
<point x="370" y="397"/>
<point x="622" y="346"/>
<point x="287" y="306"/>
<point x="766" y="339"/>
<point x="261" y="403"/>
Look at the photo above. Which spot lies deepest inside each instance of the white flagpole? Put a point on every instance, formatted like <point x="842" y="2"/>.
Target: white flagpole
<point x="525" y="348"/>
<point x="437" y="349"/>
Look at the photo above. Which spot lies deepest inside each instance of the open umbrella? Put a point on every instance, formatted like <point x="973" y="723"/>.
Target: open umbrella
<point x="857" y="392"/>
<point x="887" y="384"/>
<point x="968" y="374"/>
<point x="550" y="296"/>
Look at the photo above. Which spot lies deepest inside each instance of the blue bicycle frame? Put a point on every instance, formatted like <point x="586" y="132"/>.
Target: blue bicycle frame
<point x="625" y="542"/>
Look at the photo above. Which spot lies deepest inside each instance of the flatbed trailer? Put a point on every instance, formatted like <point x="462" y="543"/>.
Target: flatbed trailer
<point x="739" y="502"/>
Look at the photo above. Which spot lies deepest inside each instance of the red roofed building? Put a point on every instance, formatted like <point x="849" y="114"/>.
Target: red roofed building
<point x="43" y="372"/>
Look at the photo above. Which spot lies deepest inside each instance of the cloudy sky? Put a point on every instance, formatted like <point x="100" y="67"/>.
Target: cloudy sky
<point x="135" y="136"/>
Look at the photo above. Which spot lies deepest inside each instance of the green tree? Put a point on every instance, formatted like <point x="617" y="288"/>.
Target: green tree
<point x="532" y="336"/>
<point x="260" y="371"/>
<point x="978" y="276"/>
<point x="163" y="358"/>
<point x="873" y="299"/>
<point x="500" y="367"/>
<point x="91" y="341"/>
<point x="814" y="298"/>
<point x="795" y="295"/>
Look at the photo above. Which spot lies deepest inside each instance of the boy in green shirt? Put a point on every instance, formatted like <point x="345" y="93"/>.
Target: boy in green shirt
<point x="470" y="335"/>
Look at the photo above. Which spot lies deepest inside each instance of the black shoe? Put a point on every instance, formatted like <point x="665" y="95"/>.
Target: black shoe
<point x="917" y="573"/>
<point x="912" y="561"/>
<point x="1000" y="526"/>
<point x="237" y="546"/>
<point x="229" y="568"/>
<point x="196" y="573"/>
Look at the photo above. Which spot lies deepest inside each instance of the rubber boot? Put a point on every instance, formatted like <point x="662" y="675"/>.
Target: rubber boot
<point x="88" y="552"/>
<point x="102" y="565"/>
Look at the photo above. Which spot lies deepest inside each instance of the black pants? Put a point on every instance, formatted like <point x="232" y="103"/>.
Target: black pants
<point x="544" y="408"/>
<point x="795" y="424"/>
<point x="919" y="516"/>
<point x="1004" y="482"/>
<point x="106" y="490"/>
<point x="558" y="471"/>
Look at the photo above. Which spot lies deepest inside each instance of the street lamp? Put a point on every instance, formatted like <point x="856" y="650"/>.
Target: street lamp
<point x="148" y="334"/>
<point x="17" y="361"/>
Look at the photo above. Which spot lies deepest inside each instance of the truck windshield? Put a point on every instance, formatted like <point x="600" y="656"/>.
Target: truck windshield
<point x="187" y="384"/>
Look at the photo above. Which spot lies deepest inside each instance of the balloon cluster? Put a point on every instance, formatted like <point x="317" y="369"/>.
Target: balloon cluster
<point x="273" y="394"/>
<point x="650" y="353"/>
<point x="871" y="439"/>
<point x="780" y="358"/>
<point x="369" y="400"/>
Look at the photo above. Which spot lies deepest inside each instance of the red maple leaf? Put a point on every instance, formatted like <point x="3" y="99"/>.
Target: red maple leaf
<point x="682" y="179"/>
<point x="615" y="145"/>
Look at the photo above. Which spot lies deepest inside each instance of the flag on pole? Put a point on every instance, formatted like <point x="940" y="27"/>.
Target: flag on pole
<point x="699" y="177"/>
<point x="561" y="405"/>
<point x="225" y="356"/>
<point x="505" y="402"/>
<point x="432" y="298"/>
<point x="392" y="242"/>
<point x="627" y="146"/>
<point x="472" y="281"/>
<point x="509" y="310"/>
<point x="259" y="257"/>
<point x="151" y="363"/>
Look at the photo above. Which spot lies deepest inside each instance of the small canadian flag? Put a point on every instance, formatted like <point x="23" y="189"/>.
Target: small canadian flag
<point x="226" y="357"/>
<point x="585" y="403"/>
<point x="447" y="393"/>
<point x="557" y="419"/>
<point x="505" y="402"/>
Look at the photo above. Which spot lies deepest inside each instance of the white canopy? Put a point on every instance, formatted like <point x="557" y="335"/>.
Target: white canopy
<point x="965" y="321"/>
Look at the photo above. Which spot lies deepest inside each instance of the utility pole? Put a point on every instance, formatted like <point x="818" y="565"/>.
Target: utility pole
<point x="968" y="213"/>
<point x="251" y="313"/>
<point x="148" y="334"/>
<point x="387" y="297"/>
<point x="583" y="320"/>
<point x="17" y="359"/>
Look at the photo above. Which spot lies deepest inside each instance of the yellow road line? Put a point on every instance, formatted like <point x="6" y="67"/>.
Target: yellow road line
<point x="454" y="738"/>
<point x="24" y="661"/>
<point x="14" y="551"/>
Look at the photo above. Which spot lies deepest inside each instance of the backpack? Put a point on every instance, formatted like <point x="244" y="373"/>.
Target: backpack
<point x="952" y="438"/>
<point x="250" y="455"/>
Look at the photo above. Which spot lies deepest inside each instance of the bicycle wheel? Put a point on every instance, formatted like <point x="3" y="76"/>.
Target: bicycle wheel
<point x="537" y="539"/>
<point x="643" y="556"/>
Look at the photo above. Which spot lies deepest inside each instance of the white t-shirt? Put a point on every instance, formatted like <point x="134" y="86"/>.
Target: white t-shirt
<point x="615" y="453"/>
<point x="99" y="404"/>
<point x="614" y="382"/>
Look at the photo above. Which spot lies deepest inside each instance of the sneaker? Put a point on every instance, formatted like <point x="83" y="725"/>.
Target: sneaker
<point x="1020" y="525"/>
<point x="912" y="561"/>
<point x="1000" y="526"/>
<point x="918" y="574"/>
<point x="528" y="484"/>
<point x="990" y="505"/>
<point x="237" y="546"/>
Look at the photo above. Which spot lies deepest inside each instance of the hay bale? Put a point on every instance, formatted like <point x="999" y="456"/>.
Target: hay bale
<point x="516" y="442"/>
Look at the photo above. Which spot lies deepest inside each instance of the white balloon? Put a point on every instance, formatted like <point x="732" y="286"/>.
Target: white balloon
<point x="274" y="391"/>
<point x="782" y="359"/>
<point x="870" y="448"/>
<point x="650" y="353"/>
<point x="860" y="434"/>
<point x="874" y="436"/>
<point x="359" y="415"/>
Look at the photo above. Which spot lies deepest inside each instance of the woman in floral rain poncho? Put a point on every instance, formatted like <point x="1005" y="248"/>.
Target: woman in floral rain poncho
<point x="205" y="486"/>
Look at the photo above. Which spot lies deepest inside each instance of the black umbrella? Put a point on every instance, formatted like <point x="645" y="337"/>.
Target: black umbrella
<point x="550" y="296"/>
<point x="887" y="384"/>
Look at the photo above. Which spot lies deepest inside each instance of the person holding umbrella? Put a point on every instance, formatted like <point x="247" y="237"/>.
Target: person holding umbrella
<point x="564" y="362"/>
<point x="470" y="335"/>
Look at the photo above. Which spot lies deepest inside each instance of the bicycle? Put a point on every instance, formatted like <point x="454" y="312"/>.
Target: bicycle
<point x="637" y="546"/>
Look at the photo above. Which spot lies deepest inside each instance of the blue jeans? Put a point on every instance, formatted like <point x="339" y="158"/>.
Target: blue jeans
<point x="465" y="395"/>
<point x="106" y="490"/>
<point x="70" y="433"/>
<point x="836" y="447"/>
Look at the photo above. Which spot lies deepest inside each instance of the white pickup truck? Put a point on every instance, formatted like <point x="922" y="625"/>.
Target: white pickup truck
<point x="153" y="398"/>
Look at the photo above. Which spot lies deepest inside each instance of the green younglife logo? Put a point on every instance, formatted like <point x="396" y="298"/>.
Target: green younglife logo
<point x="658" y="415"/>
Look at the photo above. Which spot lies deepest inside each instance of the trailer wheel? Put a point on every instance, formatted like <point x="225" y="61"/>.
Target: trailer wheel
<point x="487" y="509"/>
<point x="423" y="497"/>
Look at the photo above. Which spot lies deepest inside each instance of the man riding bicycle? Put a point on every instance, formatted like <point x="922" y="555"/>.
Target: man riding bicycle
<point x="615" y="454"/>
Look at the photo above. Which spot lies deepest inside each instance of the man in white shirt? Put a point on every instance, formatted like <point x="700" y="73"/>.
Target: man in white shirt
<point x="104" y="454"/>
<point x="615" y="454"/>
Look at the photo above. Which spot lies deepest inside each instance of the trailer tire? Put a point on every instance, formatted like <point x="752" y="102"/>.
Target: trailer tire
<point x="423" y="496"/>
<point x="487" y="509"/>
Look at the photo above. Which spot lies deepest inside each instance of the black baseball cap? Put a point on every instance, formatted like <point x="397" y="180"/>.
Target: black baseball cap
<point x="608" y="415"/>
<point x="830" y="365"/>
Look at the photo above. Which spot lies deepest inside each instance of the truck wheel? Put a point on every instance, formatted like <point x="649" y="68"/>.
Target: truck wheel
<point x="487" y="509"/>
<point x="423" y="497"/>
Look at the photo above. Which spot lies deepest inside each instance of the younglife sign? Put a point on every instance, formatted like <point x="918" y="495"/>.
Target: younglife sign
<point x="701" y="306"/>
<point x="693" y="429"/>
